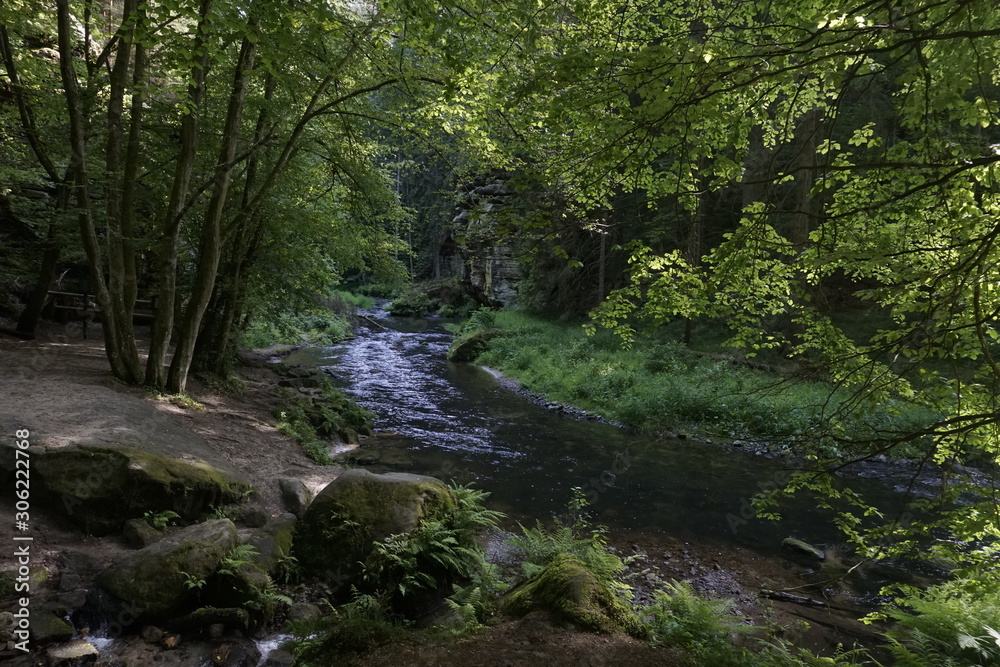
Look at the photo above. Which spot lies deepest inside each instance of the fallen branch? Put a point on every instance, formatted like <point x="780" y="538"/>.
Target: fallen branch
<point x="788" y="597"/>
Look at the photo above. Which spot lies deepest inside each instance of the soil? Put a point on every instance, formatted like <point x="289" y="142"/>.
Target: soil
<point x="59" y="386"/>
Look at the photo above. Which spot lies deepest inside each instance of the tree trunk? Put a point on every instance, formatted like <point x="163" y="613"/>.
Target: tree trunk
<point x="121" y="262"/>
<point x="123" y="360"/>
<point x="211" y="236"/>
<point x="163" y="322"/>
<point x="211" y="348"/>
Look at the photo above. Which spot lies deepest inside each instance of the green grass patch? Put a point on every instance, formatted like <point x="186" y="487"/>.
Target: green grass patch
<point x="312" y="422"/>
<point x="659" y="385"/>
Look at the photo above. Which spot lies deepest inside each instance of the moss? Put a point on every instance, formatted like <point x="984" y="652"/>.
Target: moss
<point x="104" y="486"/>
<point x="358" y="508"/>
<point x="468" y="347"/>
<point x="569" y="591"/>
<point x="7" y="584"/>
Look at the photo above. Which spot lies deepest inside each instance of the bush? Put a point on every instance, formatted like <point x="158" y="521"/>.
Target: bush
<point x="313" y="327"/>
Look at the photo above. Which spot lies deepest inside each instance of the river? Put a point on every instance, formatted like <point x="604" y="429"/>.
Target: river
<point x="456" y="421"/>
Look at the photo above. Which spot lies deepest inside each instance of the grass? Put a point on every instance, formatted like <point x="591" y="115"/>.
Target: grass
<point x="659" y="385"/>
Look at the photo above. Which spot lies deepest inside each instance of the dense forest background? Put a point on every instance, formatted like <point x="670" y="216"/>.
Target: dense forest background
<point x="818" y="179"/>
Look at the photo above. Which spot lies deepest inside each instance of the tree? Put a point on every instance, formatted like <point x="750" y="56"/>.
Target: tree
<point x="225" y="100"/>
<point x="890" y="205"/>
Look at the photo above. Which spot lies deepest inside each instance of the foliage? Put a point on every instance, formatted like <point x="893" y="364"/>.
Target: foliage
<point x="358" y="626"/>
<point x="955" y="623"/>
<point x="160" y="520"/>
<point x="705" y="630"/>
<point x="572" y="535"/>
<point x="314" y="327"/>
<point x="658" y="385"/>
<point x="311" y="421"/>
<point x="412" y="303"/>
<point x="422" y="298"/>
<point x="440" y="552"/>
<point x="699" y="626"/>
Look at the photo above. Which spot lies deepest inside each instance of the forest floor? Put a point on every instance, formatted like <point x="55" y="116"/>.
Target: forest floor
<point x="59" y="386"/>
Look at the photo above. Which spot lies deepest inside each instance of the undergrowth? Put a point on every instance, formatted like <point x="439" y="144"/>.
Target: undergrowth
<point x="704" y="631"/>
<point x="313" y="421"/>
<point x="660" y="386"/>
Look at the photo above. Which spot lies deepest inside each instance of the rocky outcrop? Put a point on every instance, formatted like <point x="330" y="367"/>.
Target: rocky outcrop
<point x="358" y="508"/>
<point x="572" y="594"/>
<point x="156" y="581"/>
<point x="490" y="268"/>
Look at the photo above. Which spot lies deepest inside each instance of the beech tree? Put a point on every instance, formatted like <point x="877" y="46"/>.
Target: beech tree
<point x="862" y="138"/>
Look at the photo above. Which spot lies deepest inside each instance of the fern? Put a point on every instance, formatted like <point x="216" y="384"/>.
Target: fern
<point x="236" y="558"/>
<point x="573" y="535"/>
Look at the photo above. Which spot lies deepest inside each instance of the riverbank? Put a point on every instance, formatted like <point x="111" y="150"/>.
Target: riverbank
<point x="659" y="386"/>
<point x="59" y="388"/>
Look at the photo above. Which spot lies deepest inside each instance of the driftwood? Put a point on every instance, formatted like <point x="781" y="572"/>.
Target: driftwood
<point x="789" y="597"/>
<point x="371" y="321"/>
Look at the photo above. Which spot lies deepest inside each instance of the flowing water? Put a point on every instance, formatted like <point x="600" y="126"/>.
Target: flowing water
<point x="455" y="421"/>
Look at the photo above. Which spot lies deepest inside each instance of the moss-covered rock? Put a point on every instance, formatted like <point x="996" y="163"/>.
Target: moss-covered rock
<point x="100" y="487"/>
<point x="468" y="347"/>
<point x="47" y="628"/>
<point x="358" y="508"/>
<point x="573" y="594"/>
<point x="156" y="580"/>
<point x="273" y="542"/>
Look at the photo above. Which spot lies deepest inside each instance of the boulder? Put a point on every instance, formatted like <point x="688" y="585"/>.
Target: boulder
<point x="273" y="542"/>
<point x="295" y="495"/>
<point x="102" y="486"/>
<point x="467" y="348"/>
<point x="572" y="594"/>
<point x="47" y="628"/>
<point x="358" y="508"/>
<point x="154" y="580"/>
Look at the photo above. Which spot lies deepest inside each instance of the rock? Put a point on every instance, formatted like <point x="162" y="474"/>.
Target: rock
<point x="47" y="628"/>
<point x="74" y="652"/>
<point x="273" y="542"/>
<point x="152" y="634"/>
<point x="304" y="611"/>
<point x="295" y="495"/>
<point x="153" y="579"/>
<point x="139" y="534"/>
<point x="7" y="625"/>
<point x="572" y="594"/>
<point x="232" y="618"/>
<point x="252" y="517"/>
<point x="279" y="658"/>
<point x="467" y="348"/>
<point x="803" y="548"/>
<point x="102" y="486"/>
<point x="337" y="530"/>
